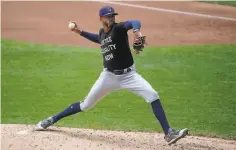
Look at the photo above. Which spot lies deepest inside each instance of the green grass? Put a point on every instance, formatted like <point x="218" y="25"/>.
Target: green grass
<point x="230" y="3"/>
<point x="197" y="85"/>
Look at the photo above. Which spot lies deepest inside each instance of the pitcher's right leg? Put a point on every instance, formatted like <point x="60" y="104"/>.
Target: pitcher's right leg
<point x="104" y="84"/>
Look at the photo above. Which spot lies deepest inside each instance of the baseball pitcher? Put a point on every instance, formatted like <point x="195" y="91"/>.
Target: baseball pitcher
<point x="118" y="71"/>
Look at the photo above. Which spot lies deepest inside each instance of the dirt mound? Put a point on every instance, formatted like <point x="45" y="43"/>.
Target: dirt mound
<point x="23" y="137"/>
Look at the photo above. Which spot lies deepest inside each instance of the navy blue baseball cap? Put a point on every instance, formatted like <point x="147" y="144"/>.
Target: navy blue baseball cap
<point x="107" y="11"/>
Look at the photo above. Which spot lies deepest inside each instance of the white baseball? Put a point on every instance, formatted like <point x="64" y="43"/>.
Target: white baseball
<point x="71" y="25"/>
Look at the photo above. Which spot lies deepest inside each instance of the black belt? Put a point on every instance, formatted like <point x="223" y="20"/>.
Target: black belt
<point x="120" y="72"/>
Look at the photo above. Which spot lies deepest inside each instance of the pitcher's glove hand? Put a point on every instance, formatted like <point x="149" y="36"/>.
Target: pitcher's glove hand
<point x="139" y="42"/>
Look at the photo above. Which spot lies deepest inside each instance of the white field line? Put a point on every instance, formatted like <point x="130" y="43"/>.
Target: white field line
<point x="169" y="10"/>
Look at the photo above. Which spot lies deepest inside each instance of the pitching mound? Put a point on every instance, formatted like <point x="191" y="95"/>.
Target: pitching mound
<point x="22" y="137"/>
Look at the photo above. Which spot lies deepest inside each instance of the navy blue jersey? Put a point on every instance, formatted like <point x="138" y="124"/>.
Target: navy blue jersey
<point x="115" y="47"/>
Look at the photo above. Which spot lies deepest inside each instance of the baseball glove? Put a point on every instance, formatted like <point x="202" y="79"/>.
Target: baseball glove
<point x="139" y="42"/>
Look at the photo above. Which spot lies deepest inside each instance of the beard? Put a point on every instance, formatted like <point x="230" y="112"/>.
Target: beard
<point x="110" y="22"/>
<point x="106" y="24"/>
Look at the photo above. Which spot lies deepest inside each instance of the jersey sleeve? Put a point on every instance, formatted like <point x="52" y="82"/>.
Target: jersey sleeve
<point x="130" y="24"/>
<point x="90" y="36"/>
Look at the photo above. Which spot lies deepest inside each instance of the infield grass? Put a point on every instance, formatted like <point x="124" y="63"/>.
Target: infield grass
<point x="197" y="86"/>
<point x="224" y="2"/>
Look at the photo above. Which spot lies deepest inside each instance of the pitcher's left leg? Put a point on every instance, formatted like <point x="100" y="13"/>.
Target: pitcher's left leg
<point x="103" y="85"/>
<point x="138" y="85"/>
